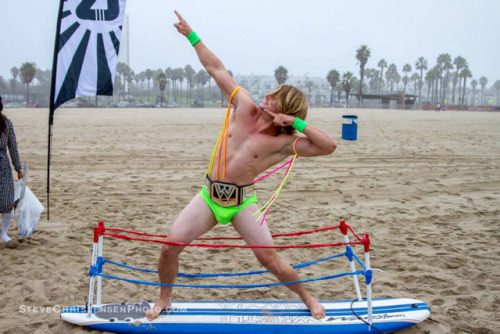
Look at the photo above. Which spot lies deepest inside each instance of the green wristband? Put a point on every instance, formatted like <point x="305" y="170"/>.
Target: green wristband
<point x="193" y="38"/>
<point x="299" y="124"/>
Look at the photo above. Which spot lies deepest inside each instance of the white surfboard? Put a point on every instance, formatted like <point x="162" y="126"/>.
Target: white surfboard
<point x="263" y="317"/>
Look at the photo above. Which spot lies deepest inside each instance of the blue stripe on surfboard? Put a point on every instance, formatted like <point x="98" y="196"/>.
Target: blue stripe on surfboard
<point x="248" y="328"/>
<point x="281" y="312"/>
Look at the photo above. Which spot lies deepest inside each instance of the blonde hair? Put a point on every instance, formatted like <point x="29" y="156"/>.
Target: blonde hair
<point x="290" y="100"/>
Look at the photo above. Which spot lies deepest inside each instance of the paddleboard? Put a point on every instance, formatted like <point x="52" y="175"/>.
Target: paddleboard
<point x="263" y="317"/>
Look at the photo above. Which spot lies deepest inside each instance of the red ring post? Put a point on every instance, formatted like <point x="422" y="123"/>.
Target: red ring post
<point x="343" y="227"/>
<point x="98" y="231"/>
<point x="366" y="242"/>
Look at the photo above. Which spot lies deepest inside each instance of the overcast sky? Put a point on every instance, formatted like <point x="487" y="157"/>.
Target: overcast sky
<point x="306" y="36"/>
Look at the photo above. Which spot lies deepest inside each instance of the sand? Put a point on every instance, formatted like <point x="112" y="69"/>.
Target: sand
<point x="425" y="185"/>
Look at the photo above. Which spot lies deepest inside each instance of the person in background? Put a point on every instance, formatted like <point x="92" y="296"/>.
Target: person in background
<point x="7" y="141"/>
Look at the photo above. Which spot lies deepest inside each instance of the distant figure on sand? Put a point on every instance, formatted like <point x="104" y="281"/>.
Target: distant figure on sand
<point x="7" y="141"/>
<point x="258" y="137"/>
<point x="438" y="107"/>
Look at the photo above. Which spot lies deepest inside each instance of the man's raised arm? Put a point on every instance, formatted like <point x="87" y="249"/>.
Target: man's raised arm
<point x="208" y="59"/>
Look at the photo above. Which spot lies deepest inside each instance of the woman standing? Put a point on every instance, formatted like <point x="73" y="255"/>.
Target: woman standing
<point x="7" y="140"/>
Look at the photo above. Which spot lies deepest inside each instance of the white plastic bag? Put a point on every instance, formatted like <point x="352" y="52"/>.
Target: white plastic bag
<point x="28" y="208"/>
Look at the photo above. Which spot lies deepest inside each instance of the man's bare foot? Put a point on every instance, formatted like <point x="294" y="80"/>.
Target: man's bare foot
<point x="317" y="310"/>
<point x="159" y="306"/>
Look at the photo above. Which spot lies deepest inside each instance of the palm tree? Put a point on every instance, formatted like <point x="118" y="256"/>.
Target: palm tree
<point x="415" y="78"/>
<point x="473" y="83"/>
<point x="43" y="78"/>
<point x="149" y="74"/>
<point x="339" y="90"/>
<point x="281" y="75"/>
<point x="381" y="63"/>
<point x="347" y="83"/>
<point x="28" y="72"/>
<point x="129" y="77"/>
<point x="333" y="78"/>
<point x="437" y="77"/>
<point x="120" y="72"/>
<point x="444" y="60"/>
<point x="189" y="73"/>
<point x="15" y="73"/>
<point x="362" y="55"/>
<point x="497" y="88"/>
<point x="139" y="78"/>
<point x="483" y="81"/>
<point x="430" y="77"/>
<point x="179" y="74"/>
<point x="459" y="63"/>
<point x="421" y="65"/>
<point x="161" y="78"/>
<point x="406" y="78"/>
<point x="392" y="72"/>
<point x="202" y="79"/>
<point x="3" y="84"/>
<point x="174" y="76"/>
<point x="169" y="74"/>
<point x="374" y="81"/>
<point x="466" y="73"/>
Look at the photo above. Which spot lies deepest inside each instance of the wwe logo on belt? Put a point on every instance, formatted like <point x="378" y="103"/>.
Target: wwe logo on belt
<point x="224" y="192"/>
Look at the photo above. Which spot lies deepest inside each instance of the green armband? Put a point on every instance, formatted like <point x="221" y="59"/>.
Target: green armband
<point x="299" y="124"/>
<point x="193" y="38"/>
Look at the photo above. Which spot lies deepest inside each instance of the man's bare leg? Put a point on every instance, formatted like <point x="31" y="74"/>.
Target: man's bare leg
<point x="255" y="234"/>
<point x="195" y="220"/>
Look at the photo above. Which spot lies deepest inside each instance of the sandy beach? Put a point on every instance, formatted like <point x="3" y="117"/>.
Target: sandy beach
<point x="425" y="185"/>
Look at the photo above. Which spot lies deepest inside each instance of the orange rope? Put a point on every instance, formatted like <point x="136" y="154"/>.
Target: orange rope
<point x="224" y="138"/>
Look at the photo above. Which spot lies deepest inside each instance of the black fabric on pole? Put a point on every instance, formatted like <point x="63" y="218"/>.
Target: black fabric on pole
<point x="70" y="83"/>
<point x="104" y="82"/>
<point x="52" y="98"/>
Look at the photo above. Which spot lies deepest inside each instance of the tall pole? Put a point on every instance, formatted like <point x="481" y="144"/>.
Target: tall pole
<point x="52" y="102"/>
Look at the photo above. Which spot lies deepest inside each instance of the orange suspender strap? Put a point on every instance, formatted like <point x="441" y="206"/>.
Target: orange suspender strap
<point x="222" y="140"/>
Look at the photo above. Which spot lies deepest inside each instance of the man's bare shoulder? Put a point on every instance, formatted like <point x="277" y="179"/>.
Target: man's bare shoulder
<point x="247" y="106"/>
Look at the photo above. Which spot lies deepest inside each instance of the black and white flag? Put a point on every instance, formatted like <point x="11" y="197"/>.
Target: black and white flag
<point x="86" y="50"/>
<point x="85" y="55"/>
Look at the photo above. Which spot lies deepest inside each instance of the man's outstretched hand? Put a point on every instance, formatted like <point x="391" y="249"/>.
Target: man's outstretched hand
<point x="182" y="27"/>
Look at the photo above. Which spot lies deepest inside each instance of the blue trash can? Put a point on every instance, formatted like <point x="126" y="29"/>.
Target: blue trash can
<point x="350" y="127"/>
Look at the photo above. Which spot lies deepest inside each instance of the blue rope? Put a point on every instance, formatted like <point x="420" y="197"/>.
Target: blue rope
<point x="359" y="261"/>
<point x="247" y="286"/>
<point x="302" y="265"/>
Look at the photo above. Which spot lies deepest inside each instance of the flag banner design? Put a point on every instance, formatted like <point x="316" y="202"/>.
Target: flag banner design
<point x="86" y="51"/>
<point x="85" y="55"/>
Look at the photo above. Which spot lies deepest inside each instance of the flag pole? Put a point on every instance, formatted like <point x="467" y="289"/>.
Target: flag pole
<point x="52" y="102"/>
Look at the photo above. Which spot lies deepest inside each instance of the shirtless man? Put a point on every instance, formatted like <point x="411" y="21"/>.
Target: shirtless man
<point x="259" y="137"/>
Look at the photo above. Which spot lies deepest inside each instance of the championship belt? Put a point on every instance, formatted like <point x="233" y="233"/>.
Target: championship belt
<point x="228" y="194"/>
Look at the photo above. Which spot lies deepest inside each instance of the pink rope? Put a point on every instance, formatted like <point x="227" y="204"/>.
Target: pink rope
<point x="286" y="163"/>
<point x="274" y="196"/>
<point x="263" y="177"/>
